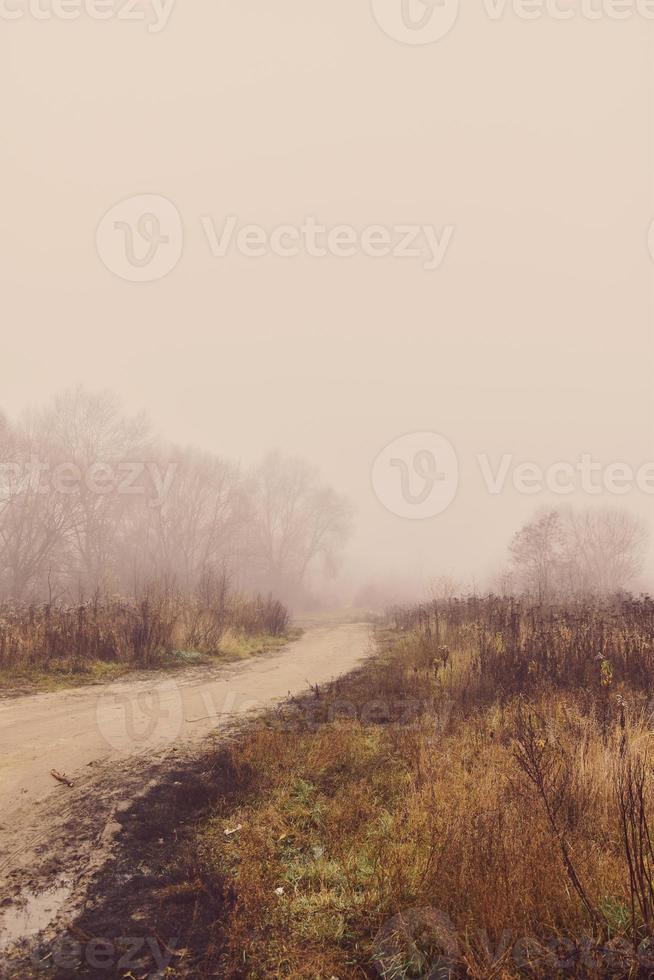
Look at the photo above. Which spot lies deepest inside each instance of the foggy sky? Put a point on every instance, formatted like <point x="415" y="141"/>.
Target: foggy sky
<point x="534" y="338"/>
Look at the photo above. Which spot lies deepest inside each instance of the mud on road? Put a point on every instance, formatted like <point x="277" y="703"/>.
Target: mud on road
<point x="116" y="744"/>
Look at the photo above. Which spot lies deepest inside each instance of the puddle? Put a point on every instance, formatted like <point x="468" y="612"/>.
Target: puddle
<point x="37" y="910"/>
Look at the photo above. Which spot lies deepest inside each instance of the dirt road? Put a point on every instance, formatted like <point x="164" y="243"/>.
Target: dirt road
<point x="112" y="741"/>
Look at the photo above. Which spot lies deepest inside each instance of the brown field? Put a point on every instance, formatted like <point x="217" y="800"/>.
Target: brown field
<point x="489" y="769"/>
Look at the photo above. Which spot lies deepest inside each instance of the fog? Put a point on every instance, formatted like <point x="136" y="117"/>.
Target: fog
<point x="521" y="332"/>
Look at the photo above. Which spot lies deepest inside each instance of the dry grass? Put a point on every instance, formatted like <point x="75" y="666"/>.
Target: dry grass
<point x="467" y="771"/>
<point x="105" y="636"/>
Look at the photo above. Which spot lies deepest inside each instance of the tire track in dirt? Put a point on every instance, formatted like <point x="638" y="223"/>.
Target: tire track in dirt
<point x="116" y="742"/>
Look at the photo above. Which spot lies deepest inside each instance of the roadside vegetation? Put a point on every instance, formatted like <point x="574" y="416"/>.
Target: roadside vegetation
<point x="49" y="645"/>
<point x="477" y="800"/>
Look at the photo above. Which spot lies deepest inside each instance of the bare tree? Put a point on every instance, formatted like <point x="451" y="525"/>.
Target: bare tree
<point x="605" y="549"/>
<point x="591" y="551"/>
<point x="88" y="437"/>
<point x="195" y="529"/>
<point x="34" y="522"/>
<point x="536" y="552"/>
<point x="299" y="523"/>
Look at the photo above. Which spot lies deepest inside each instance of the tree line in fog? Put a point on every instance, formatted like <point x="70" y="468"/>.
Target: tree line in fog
<point x="93" y="500"/>
<point x="590" y="551"/>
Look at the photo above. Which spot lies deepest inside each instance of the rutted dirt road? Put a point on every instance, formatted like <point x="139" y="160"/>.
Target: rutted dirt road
<point x="112" y="742"/>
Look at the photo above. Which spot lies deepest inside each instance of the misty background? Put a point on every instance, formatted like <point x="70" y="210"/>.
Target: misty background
<point x="534" y="338"/>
